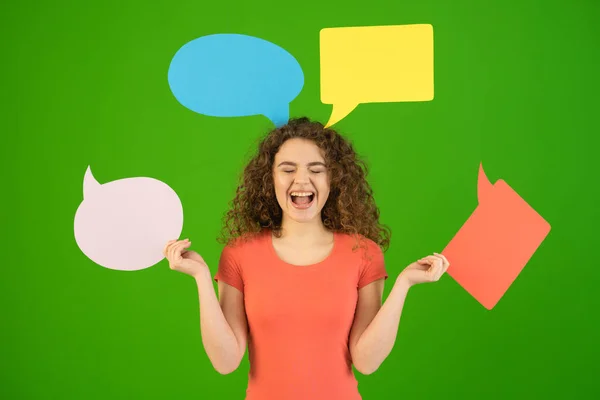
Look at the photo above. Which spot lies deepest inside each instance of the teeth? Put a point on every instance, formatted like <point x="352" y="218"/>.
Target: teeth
<point x="301" y="194"/>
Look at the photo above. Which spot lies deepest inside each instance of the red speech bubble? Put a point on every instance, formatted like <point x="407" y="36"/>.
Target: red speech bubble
<point x="495" y="243"/>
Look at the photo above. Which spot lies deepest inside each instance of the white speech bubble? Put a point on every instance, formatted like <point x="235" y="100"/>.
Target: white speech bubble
<point x="125" y="224"/>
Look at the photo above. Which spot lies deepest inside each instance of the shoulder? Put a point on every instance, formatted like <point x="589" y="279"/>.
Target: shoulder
<point x="367" y="256"/>
<point x="244" y="244"/>
<point x="235" y="257"/>
<point x="360" y="246"/>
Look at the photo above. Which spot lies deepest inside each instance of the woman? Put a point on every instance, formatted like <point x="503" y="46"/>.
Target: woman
<point x="302" y="273"/>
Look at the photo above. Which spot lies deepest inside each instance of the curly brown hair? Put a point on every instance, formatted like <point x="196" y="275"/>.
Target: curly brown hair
<point x="350" y="207"/>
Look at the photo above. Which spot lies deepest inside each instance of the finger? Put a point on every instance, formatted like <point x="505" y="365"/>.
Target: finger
<point x="185" y="244"/>
<point x="438" y="259"/>
<point x="443" y="267"/>
<point x="169" y="251"/>
<point x="431" y="272"/>
<point x="181" y="246"/>
<point x="428" y="260"/>
<point x="440" y="263"/>
<point x="433" y="260"/>
<point x="166" y="248"/>
<point x="439" y="272"/>
<point x="174" y="252"/>
<point x="446" y="262"/>
<point x="435" y="271"/>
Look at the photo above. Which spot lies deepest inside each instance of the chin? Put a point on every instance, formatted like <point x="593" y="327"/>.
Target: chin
<point x="304" y="218"/>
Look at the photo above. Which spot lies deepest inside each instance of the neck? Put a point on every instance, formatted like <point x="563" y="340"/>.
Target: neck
<point x="302" y="230"/>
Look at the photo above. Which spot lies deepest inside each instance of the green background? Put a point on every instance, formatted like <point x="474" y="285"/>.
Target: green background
<point x="85" y="83"/>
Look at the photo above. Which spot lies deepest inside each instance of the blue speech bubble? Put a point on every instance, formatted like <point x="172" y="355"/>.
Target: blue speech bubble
<point x="233" y="75"/>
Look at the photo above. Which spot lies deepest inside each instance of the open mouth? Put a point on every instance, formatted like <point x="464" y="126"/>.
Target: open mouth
<point x="302" y="199"/>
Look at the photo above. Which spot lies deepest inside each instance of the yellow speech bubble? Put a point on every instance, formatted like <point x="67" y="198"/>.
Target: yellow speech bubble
<point x="375" y="64"/>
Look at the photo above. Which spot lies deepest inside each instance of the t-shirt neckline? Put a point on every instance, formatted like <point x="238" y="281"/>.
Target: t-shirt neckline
<point x="269" y="243"/>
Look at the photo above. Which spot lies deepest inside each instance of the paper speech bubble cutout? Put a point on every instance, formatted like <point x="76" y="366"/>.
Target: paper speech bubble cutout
<point x="125" y="224"/>
<point x="233" y="75"/>
<point x="493" y="246"/>
<point x="375" y="64"/>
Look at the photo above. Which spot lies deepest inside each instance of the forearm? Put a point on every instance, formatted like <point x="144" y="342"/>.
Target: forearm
<point x="377" y="341"/>
<point x="218" y="339"/>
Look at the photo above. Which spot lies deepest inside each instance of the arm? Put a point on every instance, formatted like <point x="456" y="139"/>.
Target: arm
<point x="223" y="323"/>
<point x="375" y="326"/>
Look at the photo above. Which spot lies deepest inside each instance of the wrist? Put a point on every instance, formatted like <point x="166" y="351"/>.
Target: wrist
<point x="202" y="276"/>
<point x="403" y="282"/>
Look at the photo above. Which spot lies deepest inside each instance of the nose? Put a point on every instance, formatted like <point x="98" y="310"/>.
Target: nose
<point x="301" y="176"/>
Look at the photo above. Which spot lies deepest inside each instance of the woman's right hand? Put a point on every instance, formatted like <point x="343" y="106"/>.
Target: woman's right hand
<point x="183" y="260"/>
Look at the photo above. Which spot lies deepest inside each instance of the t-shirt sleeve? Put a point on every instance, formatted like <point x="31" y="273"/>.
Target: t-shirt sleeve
<point x="229" y="270"/>
<point x="373" y="266"/>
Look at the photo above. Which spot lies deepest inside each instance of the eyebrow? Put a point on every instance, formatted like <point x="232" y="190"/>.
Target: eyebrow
<point x="310" y="164"/>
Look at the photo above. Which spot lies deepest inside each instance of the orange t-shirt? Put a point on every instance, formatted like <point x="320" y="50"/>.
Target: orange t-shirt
<point x="300" y="317"/>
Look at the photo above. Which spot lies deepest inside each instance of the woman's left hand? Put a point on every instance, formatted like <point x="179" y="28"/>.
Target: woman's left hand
<point x="427" y="269"/>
